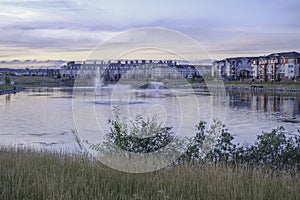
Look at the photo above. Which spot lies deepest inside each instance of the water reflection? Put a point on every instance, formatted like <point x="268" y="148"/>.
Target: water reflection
<point x="288" y="107"/>
<point x="7" y="98"/>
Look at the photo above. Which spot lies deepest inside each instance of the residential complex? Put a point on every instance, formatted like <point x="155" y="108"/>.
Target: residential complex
<point x="133" y="69"/>
<point x="114" y="70"/>
<point x="274" y="67"/>
<point x="271" y="68"/>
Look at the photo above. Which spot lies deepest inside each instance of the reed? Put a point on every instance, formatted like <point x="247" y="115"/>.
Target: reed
<point x="27" y="174"/>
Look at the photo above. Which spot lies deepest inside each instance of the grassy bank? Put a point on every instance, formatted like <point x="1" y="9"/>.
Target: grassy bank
<point x="39" y="81"/>
<point x="35" y="81"/>
<point x="5" y="87"/>
<point x="36" y="175"/>
<point x="295" y="85"/>
<point x="9" y="89"/>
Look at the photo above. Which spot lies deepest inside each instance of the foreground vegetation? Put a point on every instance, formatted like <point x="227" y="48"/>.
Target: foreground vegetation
<point x="25" y="174"/>
<point x="211" y="144"/>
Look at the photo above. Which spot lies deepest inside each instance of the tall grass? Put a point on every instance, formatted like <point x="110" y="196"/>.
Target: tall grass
<point x="25" y="174"/>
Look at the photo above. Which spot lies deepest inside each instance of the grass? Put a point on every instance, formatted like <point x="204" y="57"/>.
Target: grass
<point x="43" y="81"/>
<point x="295" y="85"/>
<point x="35" y="81"/>
<point x="39" y="81"/>
<point x="25" y="174"/>
<point x="5" y="87"/>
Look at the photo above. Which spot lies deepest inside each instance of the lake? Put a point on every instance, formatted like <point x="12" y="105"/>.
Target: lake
<point x="47" y="117"/>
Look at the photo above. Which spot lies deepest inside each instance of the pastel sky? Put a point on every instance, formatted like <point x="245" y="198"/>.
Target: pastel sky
<point x="69" y="30"/>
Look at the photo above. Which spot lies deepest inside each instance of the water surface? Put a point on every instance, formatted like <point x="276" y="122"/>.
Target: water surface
<point x="44" y="117"/>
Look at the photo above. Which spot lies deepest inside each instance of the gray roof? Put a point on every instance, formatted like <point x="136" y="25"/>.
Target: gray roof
<point x="292" y="54"/>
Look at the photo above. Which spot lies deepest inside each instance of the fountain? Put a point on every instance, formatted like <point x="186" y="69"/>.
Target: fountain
<point x="153" y="86"/>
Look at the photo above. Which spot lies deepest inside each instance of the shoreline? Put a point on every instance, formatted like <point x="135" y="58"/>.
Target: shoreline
<point x="252" y="88"/>
<point x="11" y="91"/>
<point x="257" y="89"/>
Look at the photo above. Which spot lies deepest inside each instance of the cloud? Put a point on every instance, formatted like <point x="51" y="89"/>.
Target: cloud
<point x="48" y="38"/>
<point x="43" y="4"/>
<point x="222" y="27"/>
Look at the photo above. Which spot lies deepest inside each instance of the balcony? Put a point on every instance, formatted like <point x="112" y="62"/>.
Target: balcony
<point x="262" y="62"/>
<point x="274" y="61"/>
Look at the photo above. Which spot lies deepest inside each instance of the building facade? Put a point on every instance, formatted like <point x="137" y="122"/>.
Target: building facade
<point x="274" y="67"/>
<point x="129" y="69"/>
<point x="277" y="67"/>
<point x="233" y="68"/>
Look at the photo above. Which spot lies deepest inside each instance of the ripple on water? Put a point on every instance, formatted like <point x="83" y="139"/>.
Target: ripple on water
<point x="39" y="95"/>
<point x="120" y="102"/>
<point x="38" y="134"/>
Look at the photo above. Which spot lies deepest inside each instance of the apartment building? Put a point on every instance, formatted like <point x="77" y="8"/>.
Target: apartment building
<point x="233" y="68"/>
<point x="274" y="67"/>
<point x="134" y="69"/>
<point x="277" y="67"/>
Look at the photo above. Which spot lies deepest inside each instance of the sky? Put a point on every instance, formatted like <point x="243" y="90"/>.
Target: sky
<point x="71" y="30"/>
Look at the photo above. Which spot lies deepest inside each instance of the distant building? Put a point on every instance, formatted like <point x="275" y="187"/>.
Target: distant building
<point x="204" y="69"/>
<point x="133" y="69"/>
<point x="274" y="67"/>
<point x="233" y="68"/>
<point x="4" y="70"/>
<point x="277" y="67"/>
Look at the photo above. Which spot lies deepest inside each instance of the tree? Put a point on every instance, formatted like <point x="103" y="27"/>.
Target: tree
<point x="7" y="79"/>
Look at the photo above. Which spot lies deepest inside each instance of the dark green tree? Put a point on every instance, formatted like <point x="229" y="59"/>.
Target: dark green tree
<point x="7" y="79"/>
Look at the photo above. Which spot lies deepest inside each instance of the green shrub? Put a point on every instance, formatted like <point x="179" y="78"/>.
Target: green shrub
<point x="214" y="145"/>
<point x="274" y="149"/>
<point x="138" y="136"/>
